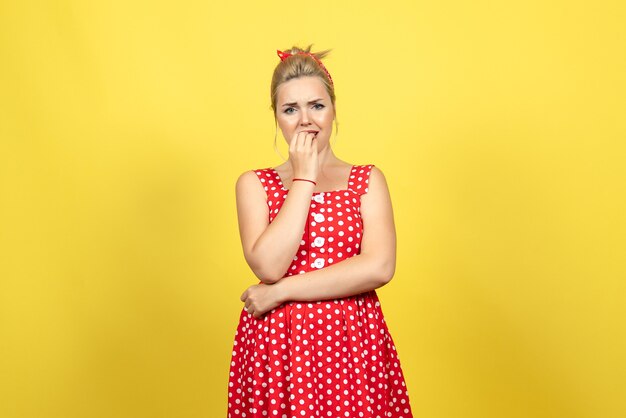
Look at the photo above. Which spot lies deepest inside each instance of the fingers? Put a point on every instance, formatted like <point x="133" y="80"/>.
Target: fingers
<point x="254" y="298"/>
<point x="303" y="155"/>
<point x="302" y="141"/>
<point x="307" y="142"/>
<point x="247" y="302"/>
<point x="252" y="311"/>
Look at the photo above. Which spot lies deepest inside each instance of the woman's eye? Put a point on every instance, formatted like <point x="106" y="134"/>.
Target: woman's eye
<point x="316" y="106"/>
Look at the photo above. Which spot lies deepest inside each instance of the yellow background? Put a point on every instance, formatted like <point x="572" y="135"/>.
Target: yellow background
<point x="499" y="126"/>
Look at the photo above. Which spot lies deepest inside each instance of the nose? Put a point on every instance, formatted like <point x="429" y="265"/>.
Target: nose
<point x="305" y="120"/>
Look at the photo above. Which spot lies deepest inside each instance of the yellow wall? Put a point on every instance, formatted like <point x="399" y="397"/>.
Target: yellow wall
<point x="499" y="125"/>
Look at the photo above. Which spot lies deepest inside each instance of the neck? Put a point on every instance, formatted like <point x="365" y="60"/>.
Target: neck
<point x="326" y="157"/>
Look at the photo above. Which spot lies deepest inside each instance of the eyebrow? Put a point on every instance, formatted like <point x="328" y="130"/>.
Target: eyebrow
<point x="295" y="103"/>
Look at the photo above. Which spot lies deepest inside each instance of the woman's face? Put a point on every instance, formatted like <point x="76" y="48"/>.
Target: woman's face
<point x="303" y="104"/>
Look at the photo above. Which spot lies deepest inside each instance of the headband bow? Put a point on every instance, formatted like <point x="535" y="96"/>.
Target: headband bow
<point x="284" y="55"/>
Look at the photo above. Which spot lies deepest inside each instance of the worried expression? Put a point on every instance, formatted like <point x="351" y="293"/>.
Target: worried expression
<point x="303" y="104"/>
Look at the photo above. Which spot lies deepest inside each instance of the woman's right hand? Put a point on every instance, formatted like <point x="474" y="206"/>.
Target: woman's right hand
<point x="303" y="155"/>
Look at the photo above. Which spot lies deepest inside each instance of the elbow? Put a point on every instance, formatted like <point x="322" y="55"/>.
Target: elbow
<point x="265" y="270"/>
<point x="262" y="269"/>
<point x="269" y="278"/>
<point x="266" y="275"/>
<point x="386" y="270"/>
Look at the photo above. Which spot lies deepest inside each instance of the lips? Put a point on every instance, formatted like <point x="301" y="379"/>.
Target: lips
<point x="312" y="131"/>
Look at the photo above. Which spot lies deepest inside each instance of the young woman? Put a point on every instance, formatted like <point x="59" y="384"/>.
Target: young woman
<point x="319" y="234"/>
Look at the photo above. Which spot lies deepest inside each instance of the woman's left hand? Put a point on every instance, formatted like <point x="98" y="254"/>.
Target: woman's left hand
<point x="261" y="298"/>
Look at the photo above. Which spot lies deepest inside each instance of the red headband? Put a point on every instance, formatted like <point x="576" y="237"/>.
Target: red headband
<point x="285" y="55"/>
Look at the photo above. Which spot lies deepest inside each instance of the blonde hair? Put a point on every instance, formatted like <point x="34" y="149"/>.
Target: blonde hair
<point x="300" y="65"/>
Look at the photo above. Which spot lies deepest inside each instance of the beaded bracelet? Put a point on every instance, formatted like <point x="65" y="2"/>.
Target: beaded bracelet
<point x="305" y="180"/>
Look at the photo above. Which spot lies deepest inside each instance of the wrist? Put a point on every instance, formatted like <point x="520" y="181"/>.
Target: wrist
<point x="303" y="185"/>
<point x="304" y="174"/>
<point x="304" y="180"/>
<point x="281" y="291"/>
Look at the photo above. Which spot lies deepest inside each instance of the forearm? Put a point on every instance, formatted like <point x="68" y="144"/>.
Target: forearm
<point x="274" y="250"/>
<point x="355" y="275"/>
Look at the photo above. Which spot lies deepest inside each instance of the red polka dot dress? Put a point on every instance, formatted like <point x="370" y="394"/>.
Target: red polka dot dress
<point x="332" y="358"/>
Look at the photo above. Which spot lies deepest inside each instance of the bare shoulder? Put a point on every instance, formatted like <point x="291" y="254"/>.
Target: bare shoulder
<point x="377" y="182"/>
<point x="248" y="179"/>
<point x="248" y="187"/>
<point x="249" y="182"/>
<point x="377" y="174"/>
